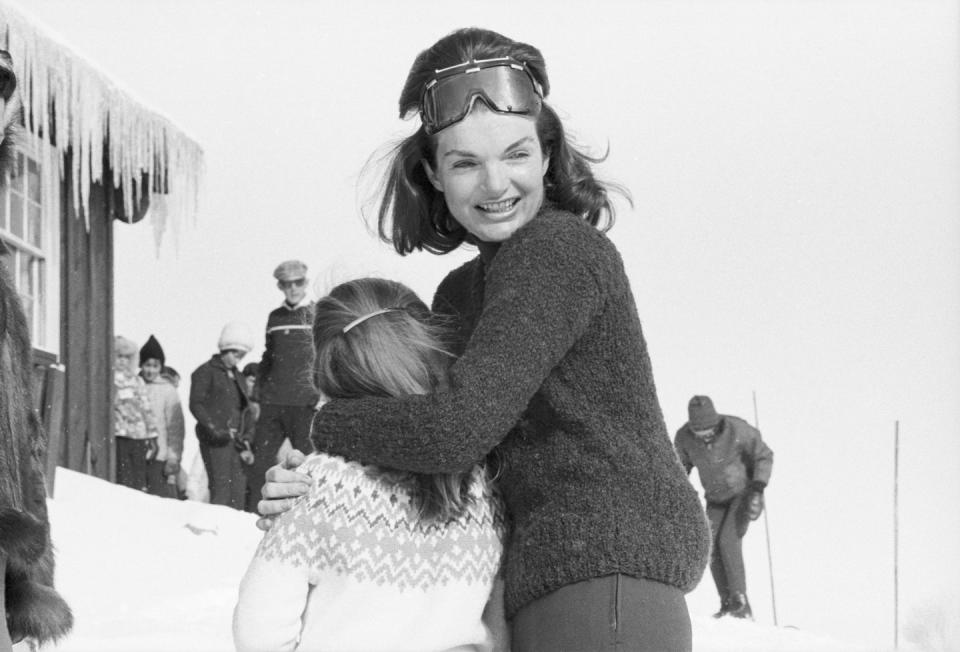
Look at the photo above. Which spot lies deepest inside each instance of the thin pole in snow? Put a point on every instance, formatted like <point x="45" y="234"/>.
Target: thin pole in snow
<point x="766" y="524"/>
<point x="896" y="534"/>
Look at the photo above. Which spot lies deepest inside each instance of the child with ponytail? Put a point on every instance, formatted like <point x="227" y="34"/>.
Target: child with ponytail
<point x="372" y="558"/>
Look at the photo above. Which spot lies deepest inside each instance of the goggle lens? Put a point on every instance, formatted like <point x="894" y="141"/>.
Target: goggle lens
<point x="504" y="88"/>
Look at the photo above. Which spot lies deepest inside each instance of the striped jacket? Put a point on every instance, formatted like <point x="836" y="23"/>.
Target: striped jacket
<point x="284" y="377"/>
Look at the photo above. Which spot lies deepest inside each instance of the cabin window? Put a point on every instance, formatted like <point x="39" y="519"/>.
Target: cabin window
<point x="29" y="228"/>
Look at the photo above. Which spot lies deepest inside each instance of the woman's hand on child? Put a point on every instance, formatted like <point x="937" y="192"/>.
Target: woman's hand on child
<point x="283" y="485"/>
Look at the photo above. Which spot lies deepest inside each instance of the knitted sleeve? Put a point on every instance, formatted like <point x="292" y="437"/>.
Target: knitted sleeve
<point x="269" y="608"/>
<point x="542" y="291"/>
<point x="274" y="590"/>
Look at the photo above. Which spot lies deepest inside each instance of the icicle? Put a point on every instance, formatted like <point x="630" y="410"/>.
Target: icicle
<point x="89" y="109"/>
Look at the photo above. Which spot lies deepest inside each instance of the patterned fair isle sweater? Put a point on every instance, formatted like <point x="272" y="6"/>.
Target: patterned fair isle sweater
<point x="555" y="376"/>
<point x="351" y="567"/>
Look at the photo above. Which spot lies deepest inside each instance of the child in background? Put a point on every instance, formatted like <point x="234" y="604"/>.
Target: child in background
<point x="371" y="559"/>
<point x="183" y="478"/>
<point x="135" y="428"/>
<point x="162" y="471"/>
<point x="171" y="375"/>
<point x="218" y="401"/>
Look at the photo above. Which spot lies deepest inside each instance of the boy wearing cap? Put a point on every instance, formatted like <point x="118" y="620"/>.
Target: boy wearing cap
<point x="162" y="471"/>
<point x="218" y="401"/>
<point x="734" y="467"/>
<point x="284" y="385"/>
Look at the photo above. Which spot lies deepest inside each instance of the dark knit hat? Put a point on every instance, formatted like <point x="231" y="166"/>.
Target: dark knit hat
<point x="702" y="414"/>
<point x="152" y="351"/>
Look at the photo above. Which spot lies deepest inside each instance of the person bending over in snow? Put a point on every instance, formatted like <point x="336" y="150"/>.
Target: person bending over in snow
<point x="734" y="467"/>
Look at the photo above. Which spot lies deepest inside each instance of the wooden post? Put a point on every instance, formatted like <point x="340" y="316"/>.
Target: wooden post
<point x="896" y="535"/>
<point x="53" y="421"/>
<point x="766" y="526"/>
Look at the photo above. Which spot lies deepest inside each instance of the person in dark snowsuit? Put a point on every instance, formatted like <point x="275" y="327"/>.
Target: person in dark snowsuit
<point x="734" y="467"/>
<point x="284" y="387"/>
<point x="218" y="401"/>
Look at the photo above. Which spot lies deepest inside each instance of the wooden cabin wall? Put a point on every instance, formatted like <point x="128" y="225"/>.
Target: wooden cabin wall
<point x="87" y="333"/>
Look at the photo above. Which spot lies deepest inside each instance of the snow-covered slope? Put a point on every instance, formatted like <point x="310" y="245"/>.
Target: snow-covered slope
<point x="144" y="573"/>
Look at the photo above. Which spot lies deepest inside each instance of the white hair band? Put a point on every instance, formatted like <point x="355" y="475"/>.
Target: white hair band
<point x="360" y="320"/>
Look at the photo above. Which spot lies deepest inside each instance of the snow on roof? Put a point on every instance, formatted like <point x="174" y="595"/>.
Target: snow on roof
<point x="89" y="106"/>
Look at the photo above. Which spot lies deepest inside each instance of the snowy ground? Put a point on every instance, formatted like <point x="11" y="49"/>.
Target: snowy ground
<point x="144" y="573"/>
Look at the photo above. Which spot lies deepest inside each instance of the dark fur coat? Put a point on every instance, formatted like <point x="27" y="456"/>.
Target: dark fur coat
<point x="33" y="608"/>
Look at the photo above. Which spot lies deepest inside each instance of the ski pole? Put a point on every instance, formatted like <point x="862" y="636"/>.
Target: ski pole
<point x="896" y="535"/>
<point x="766" y="525"/>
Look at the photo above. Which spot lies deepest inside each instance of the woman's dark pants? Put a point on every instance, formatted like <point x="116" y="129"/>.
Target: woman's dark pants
<point x="614" y="612"/>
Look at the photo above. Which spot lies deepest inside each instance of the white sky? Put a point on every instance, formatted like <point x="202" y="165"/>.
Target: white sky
<point x="794" y="168"/>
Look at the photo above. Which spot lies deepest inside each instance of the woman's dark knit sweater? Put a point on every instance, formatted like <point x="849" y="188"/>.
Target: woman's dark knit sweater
<point x="555" y="374"/>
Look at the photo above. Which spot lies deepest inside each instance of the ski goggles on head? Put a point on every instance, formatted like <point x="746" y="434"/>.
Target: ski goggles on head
<point x="504" y="84"/>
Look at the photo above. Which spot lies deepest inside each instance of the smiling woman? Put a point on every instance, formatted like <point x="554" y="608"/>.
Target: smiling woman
<point x="490" y="170"/>
<point x="554" y="383"/>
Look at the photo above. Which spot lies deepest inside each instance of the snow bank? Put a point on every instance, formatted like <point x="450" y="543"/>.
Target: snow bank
<point x="144" y="573"/>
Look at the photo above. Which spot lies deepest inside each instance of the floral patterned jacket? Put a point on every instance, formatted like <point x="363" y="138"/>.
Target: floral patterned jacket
<point x="133" y="416"/>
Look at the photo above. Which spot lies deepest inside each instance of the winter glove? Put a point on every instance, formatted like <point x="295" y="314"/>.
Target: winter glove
<point x="755" y="500"/>
<point x="151" y="449"/>
<point x="171" y="467"/>
<point x="246" y="454"/>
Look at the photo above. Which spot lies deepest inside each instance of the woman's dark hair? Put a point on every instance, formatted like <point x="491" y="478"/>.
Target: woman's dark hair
<point x="413" y="215"/>
<point x="392" y="353"/>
